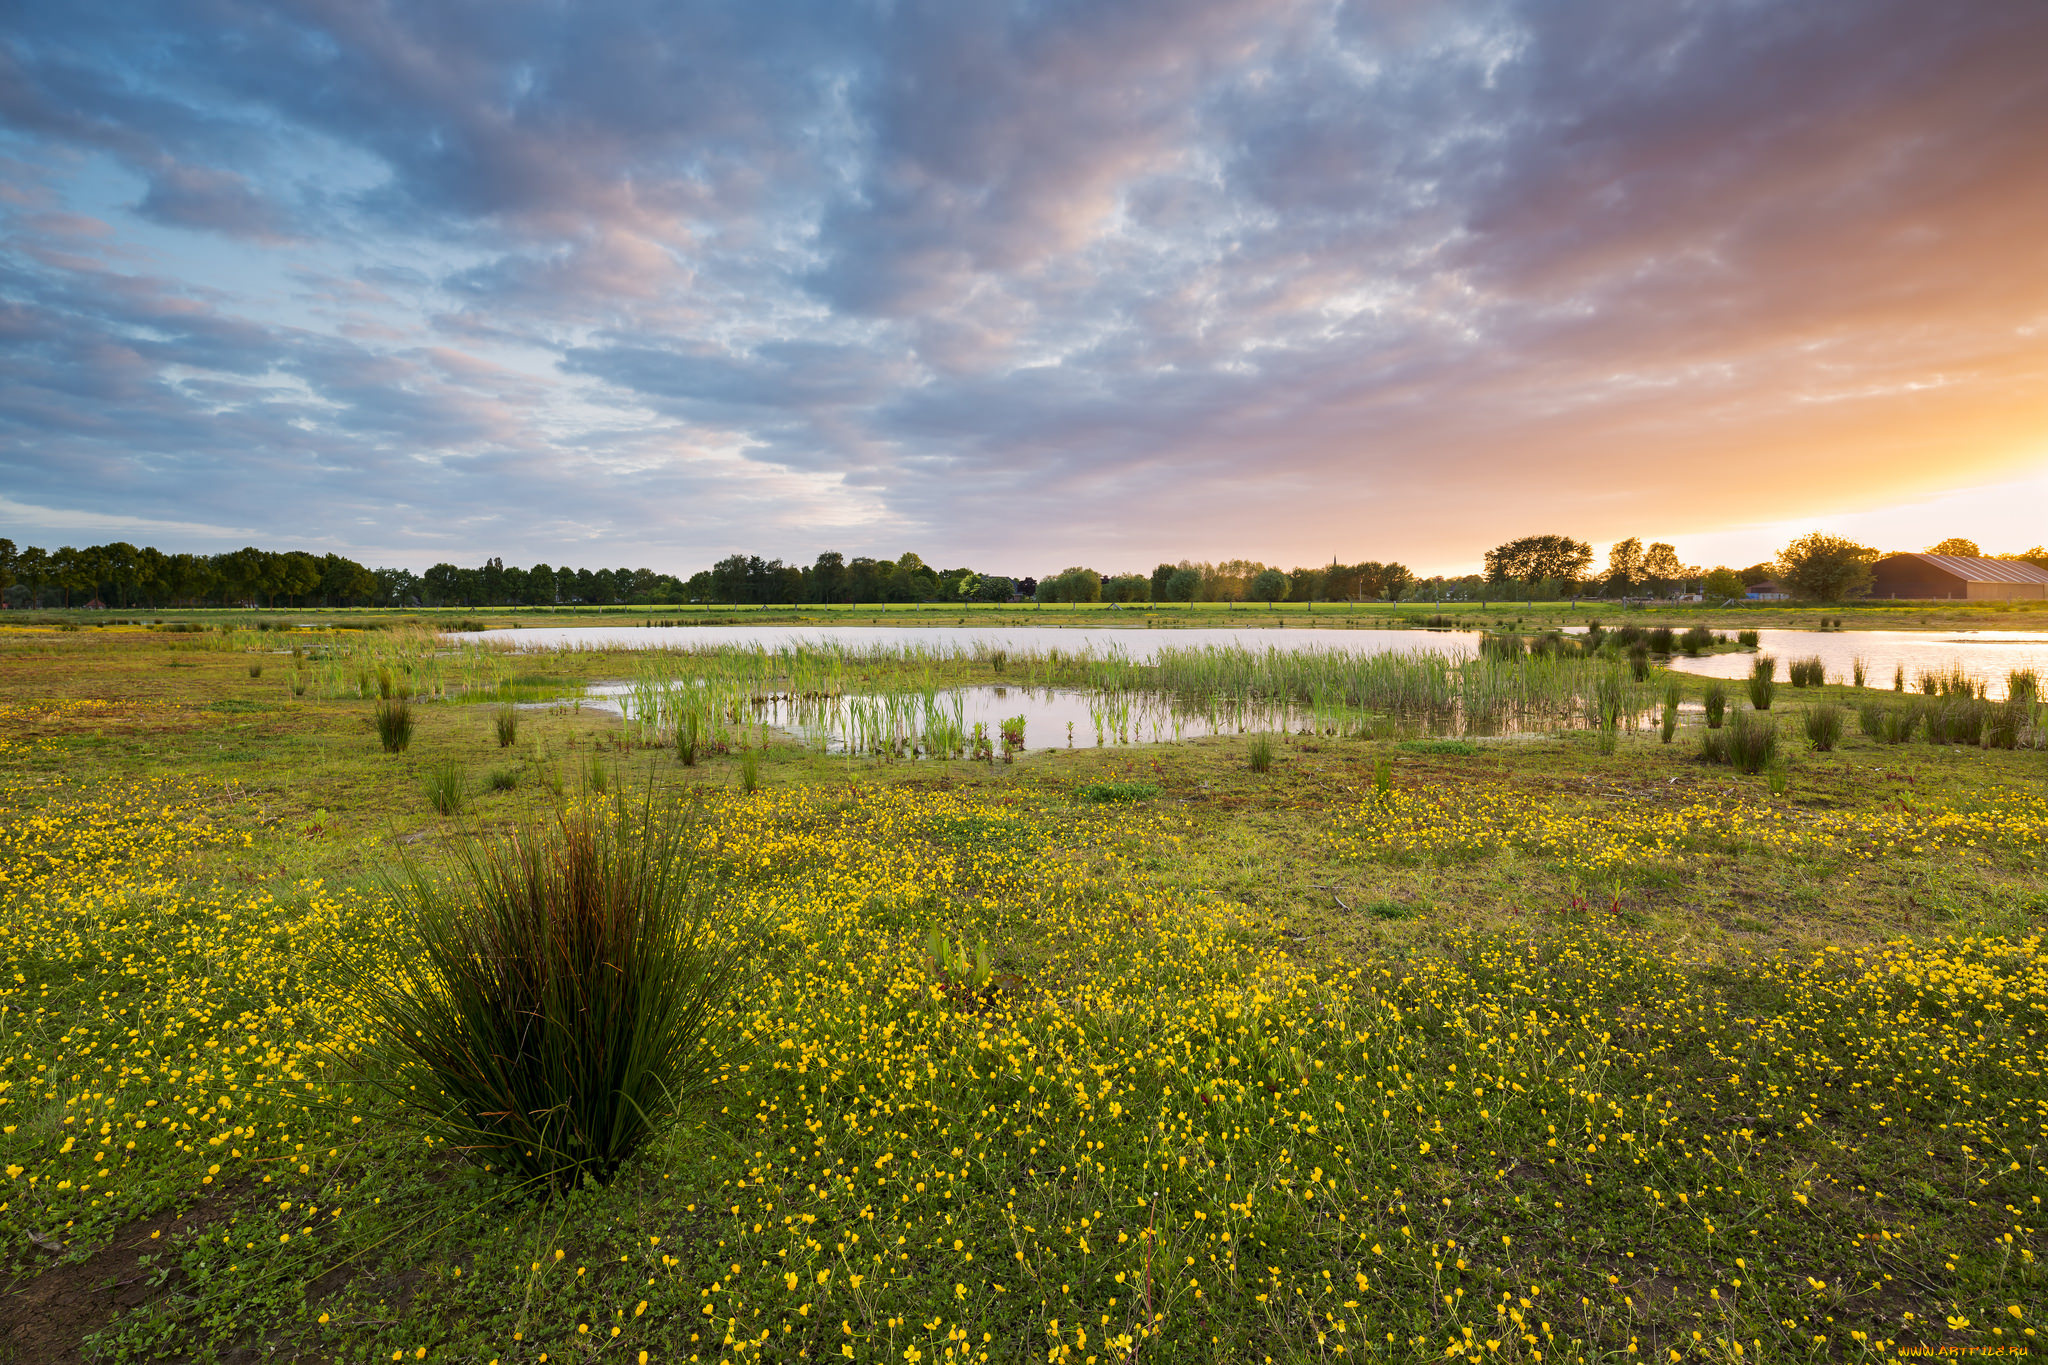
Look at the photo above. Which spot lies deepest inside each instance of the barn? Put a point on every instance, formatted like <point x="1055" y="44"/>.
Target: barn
<point x="1953" y="576"/>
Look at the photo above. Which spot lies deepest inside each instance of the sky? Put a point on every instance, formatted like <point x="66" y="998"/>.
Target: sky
<point x="1022" y="285"/>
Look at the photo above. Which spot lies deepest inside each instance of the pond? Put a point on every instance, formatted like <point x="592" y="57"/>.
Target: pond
<point x="1138" y="644"/>
<point x="1054" y="717"/>
<point x="1987" y="655"/>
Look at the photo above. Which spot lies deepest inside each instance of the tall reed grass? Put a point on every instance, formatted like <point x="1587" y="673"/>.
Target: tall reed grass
<point x="447" y="788"/>
<point x="1823" y="726"/>
<point x="1752" y="741"/>
<point x="547" y="1011"/>
<point x="1715" y="702"/>
<point x="394" y="722"/>
<point x="505" y="723"/>
<point x="1763" y="682"/>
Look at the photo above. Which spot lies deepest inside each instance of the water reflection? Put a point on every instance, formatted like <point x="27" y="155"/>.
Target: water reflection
<point x="1988" y="656"/>
<point x="1138" y="644"/>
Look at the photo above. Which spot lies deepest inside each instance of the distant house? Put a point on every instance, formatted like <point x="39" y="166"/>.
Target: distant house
<point x="94" y="605"/>
<point x="1954" y="576"/>
<point x="1770" y="590"/>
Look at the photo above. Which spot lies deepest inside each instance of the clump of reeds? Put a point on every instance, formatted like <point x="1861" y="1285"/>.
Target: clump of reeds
<point x="256" y="668"/>
<point x="1899" y="723"/>
<point x="394" y="725"/>
<point x="1746" y="637"/>
<point x="504" y="779"/>
<point x="596" y="777"/>
<point x="1260" y="753"/>
<point x="1957" y="720"/>
<point x="1502" y="647"/>
<point x="1715" y="701"/>
<point x="1763" y="682"/>
<point x="548" y="1007"/>
<point x="1859" y="670"/>
<point x="1809" y="672"/>
<point x="1661" y="640"/>
<point x="1670" y="717"/>
<point x="2023" y="685"/>
<point x="1870" y="718"/>
<point x="1696" y="640"/>
<point x="1823" y="726"/>
<point x="687" y="739"/>
<point x="446" y="788"/>
<point x="1639" y="661"/>
<point x="750" y="770"/>
<point x="2007" y="724"/>
<point x="1752" y="741"/>
<point x="1714" y="745"/>
<point x="505" y="721"/>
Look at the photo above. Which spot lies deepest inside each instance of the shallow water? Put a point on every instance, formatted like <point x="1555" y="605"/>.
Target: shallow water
<point x="1054" y="717"/>
<point x="1140" y="644"/>
<point x="1987" y="655"/>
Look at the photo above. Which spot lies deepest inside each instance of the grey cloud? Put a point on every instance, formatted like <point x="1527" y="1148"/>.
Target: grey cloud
<point x="1019" y="268"/>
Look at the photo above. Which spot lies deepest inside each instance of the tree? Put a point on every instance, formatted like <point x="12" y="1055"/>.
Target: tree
<point x="1723" y="582"/>
<point x="1533" y="558"/>
<point x="1662" y="567"/>
<point x="1184" y="583"/>
<point x="1072" y="585"/>
<point x="1957" y="546"/>
<point x="1394" y="580"/>
<point x="1826" y="568"/>
<point x="7" y="557"/>
<point x="1268" y="586"/>
<point x="1624" y="566"/>
<point x="2038" y="557"/>
<point x="1128" y="587"/>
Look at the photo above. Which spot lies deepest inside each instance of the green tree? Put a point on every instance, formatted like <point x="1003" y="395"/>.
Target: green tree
<point x="1665" y="572"/>
<point x="1957" y="546"/>
<point x="1625" y="565"/>
<point x="1723" y="582"/>
<point x="1268" y="586"/>
<point x="1183" y="585"/>
<point x="1534" y="558"/>
<point x="1076" y="584"/>
<point x="1826" y="568"/>
<point x="1128" y="587"/>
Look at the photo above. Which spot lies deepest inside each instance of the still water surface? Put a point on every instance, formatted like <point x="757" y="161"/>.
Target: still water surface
<point x="1987" y="655"/>
<point x="1054" y="717"/>
<point x="1137" y="644"/>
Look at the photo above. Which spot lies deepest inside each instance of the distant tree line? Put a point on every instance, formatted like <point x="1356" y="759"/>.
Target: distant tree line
<point x="121" y="575"/>
<point x="126" y="576"/>
<point x="744" y="580"/>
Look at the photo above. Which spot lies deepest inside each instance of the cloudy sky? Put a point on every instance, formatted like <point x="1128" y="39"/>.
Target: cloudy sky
<point x="1021" y="284"/>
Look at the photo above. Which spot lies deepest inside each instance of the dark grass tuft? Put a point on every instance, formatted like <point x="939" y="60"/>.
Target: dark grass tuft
<point x="394" y="725"/>
<point x="553" y="994"/>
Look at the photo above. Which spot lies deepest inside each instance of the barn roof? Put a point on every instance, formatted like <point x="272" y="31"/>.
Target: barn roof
<point x="1982" y="570"/>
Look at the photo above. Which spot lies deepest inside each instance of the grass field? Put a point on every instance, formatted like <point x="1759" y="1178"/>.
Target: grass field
<point x="1400" y="1049"/>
